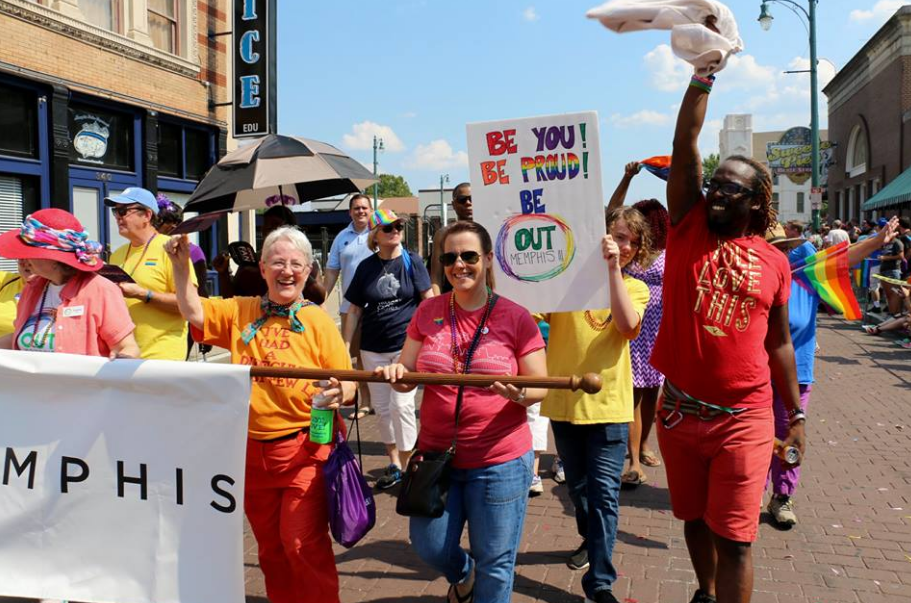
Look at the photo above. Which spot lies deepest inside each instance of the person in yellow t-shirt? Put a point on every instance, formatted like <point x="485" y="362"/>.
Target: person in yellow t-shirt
<point x="11" y="285"/>
<point x="161" y="331"/>
<point x="591" y="430"/>
<point x="285" y="496"/>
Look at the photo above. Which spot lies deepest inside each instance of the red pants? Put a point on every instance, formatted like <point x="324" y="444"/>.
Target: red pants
<point x="286" y="506"/>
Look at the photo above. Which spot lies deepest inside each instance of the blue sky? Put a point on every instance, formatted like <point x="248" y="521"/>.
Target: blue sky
<point x="416" y="71"/>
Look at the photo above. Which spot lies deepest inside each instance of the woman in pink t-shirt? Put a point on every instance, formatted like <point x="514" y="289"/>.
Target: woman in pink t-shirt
<point x="492" y="468"/>
<point x="65" y="292"/>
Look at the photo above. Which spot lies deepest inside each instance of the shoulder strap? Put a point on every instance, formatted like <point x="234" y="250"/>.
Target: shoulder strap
<point x="468" y="356"/>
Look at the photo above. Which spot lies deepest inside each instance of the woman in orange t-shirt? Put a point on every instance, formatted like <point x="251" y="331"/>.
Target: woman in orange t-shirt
<point x="285" y="496"/>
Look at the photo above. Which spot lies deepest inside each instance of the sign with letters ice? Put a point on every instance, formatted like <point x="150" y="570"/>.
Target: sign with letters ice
<point x="536" y="187"/>
<point x="121" y="481"/>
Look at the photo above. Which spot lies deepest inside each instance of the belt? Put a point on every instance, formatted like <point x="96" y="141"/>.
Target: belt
<point x="293" y="434"/>
<point x="678" y="403"/>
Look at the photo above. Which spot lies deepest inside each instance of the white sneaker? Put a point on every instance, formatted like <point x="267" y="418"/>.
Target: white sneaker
<point x="557" y="470"/>
<point x="782" y="510"/>
<point x="537" y="486"/>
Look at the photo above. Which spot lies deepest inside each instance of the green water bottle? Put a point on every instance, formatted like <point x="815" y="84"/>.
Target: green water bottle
<point x="320" y="420"/>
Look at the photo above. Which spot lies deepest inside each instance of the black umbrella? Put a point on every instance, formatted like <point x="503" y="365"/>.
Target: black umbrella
<point x="278" y="170"/>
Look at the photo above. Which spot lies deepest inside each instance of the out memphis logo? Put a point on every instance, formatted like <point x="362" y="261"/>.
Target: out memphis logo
<point x="133" y="479"/>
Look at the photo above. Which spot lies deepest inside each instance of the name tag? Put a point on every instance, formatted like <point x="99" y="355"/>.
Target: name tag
<point x="73" y="311"/>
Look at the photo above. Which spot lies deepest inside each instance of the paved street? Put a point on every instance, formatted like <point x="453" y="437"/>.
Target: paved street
<point x="853" y="543"/>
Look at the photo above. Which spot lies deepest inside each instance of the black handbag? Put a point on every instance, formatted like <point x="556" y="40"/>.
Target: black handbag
<point x="425" y="483"/>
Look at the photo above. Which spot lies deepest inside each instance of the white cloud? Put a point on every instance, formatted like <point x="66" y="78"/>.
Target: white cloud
<point x="743" y="72"/>
<point x="436" y="155"/>
<point x="881" y="11"/>
<point x="361" y="137"/>
<point x="530" y="14"/>
<point x="640" y="118"/>
<point x="668" y="72"/>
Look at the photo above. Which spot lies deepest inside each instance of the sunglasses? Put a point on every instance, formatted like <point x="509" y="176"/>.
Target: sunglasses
<point x="120" y="212"/>
<point x="469" y="257"/>
<point x="728" y="189"/>
<point x="463" y="199"/>
<point x="398" y="227"/>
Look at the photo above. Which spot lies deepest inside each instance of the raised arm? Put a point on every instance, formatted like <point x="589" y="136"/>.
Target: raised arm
<point x="178" y="248"/>
<point x="629" y="172"/>
<point x="886" y="235"/>
<point x="684" y="184"/>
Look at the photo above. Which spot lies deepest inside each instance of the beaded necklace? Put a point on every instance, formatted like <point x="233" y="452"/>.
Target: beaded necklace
<point x="142" y="255"/>
<point x="460" y="359"/>
<point x="50" y="326"/>
<point x="594" y="323"/>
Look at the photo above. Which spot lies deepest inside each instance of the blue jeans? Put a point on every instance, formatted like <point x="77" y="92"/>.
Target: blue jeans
<point x="492" y="500"/>
<point x="593" y="457"/>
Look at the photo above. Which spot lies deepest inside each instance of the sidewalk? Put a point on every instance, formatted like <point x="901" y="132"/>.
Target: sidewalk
<point x="853" y="542"/>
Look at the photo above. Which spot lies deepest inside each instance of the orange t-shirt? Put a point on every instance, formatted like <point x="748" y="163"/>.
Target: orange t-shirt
<point x="278" y="406"/>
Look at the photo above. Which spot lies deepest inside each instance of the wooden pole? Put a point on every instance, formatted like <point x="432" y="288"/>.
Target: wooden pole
<point x="589" y="383"/>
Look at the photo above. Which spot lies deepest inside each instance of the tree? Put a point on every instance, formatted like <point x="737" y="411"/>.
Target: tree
<point x="391" y="186"/>
<point x="709" y="165"/>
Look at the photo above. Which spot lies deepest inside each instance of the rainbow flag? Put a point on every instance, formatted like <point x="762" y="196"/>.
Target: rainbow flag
<point x="659" y="165"/>
<point x="826" y="272"/>
<point x="862" y="274"/>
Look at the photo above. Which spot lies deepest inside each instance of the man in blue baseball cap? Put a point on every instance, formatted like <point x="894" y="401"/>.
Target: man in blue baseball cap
<point x="161" y="332"/>
<point x="134" y="196"/>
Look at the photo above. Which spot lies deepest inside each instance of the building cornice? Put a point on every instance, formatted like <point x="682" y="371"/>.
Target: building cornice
<point x="60" y="23"/>
<point x="890" y="43"/>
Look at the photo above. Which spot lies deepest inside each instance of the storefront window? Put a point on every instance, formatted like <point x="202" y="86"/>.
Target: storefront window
<point x="18" y="122"/>
<point x="183" y="152"/>
<point x="100" y="137"/>
<point x="197" y="153"/>
<point x="18" y="198"/>
<point x="169" y="150"/>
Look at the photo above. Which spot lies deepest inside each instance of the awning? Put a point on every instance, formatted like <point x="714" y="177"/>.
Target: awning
<point x="895" y="193"/>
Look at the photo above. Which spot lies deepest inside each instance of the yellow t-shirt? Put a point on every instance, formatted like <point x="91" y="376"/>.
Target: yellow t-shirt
<point x="278" y="406"/>
<point x="574" y="347"/>
<point x="160" y="334"/>
<point x="10" y="288"/>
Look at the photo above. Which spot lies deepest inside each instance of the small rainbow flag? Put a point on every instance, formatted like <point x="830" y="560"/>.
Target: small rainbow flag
<point x="659" y="165"/>
<point x="826" y="272"/>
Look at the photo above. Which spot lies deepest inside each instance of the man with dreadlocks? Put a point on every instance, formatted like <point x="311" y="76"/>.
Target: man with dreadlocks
<point x="722" y="342"/>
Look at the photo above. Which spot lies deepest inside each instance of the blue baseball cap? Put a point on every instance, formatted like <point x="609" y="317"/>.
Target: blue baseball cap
<point x="882" y="222"/>
<point x="132" y="196"/>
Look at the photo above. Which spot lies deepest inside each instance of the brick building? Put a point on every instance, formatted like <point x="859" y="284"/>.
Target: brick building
<point x="99" y="95"/>
<point x="869" y="114"/>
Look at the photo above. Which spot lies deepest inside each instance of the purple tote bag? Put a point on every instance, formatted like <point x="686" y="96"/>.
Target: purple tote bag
<point x="352" y="512"/>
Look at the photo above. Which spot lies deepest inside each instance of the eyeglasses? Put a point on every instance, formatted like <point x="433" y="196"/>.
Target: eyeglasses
<point x="293" y="266"/>
<point x="398" y="227"/>
<point x="469" y="257"/>
<point x="728" y="189"/>
<point x="463" y="199"/>
<point x="123" y="211"/>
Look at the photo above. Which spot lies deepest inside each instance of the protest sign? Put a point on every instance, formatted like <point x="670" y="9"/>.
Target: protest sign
<point x="121" y="481"/>
<point x="536" y="187"/>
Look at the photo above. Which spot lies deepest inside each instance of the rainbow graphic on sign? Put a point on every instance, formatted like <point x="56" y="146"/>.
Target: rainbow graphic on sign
<point x="527" y="237"/>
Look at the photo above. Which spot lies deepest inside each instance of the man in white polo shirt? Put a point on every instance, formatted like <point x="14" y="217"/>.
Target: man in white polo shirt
<point x="348" y="250"/>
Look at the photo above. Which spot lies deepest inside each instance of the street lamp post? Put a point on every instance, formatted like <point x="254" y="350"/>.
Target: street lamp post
<point x="444" y="214"/>
<point x="377" y="146"/>
<point x="765" y="20"/>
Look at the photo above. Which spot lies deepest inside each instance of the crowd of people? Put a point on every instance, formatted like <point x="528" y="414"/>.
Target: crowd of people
<point x="706" y="338"/>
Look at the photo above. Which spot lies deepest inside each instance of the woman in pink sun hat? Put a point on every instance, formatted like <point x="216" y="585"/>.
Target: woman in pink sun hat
<point x="66" y="292"/>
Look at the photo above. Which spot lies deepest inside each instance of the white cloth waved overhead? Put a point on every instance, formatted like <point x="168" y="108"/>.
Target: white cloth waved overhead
<point x="706" y="50"/>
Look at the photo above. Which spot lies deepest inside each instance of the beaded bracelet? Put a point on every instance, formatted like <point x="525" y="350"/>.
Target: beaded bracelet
<point x="703" y="83"/>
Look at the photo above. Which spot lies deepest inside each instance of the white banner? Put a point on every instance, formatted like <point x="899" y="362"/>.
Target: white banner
<point x="122" y="481"/>
<point x="536" y="187"/>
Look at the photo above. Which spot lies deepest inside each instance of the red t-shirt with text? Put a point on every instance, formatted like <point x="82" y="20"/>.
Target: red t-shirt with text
<point x="492" y="429"/>
<point x="717" y="297"/>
